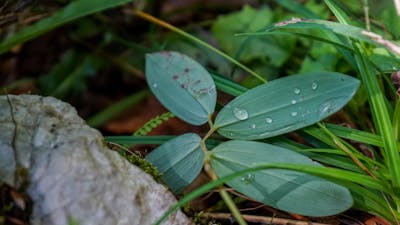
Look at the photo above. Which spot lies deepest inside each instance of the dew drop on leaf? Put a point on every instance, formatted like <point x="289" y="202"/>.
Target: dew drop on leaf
<point x="253" y="126"/>
<point x="293" y="114"/>
<point x="248" y="178"/>
<point x="296" y="91"/>
<point x="240" y="114"/>
<point x="314" y="86"/>
<point x="325" y="109"/>
<point x="154" y="85"/>
<point x="268" y="120"/>
<point x="294" y="102"/>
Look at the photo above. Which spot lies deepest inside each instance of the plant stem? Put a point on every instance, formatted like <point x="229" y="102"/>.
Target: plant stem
<point x="210" y="172"/>
<point x="366" y="13"/>
<point x="225" y="196"/>
<point x="164" y="24"/>
<point x="339" y="143"/>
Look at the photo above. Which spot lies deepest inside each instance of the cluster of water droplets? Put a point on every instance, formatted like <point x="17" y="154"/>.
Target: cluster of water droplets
<point x="298" y="91"/>
<point x="242" y="114"/>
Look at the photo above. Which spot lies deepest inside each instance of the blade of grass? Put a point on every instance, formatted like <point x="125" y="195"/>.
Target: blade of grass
<point x="333" y="157"/>
<point x="322" y="136"/>
<point x="377" y="103"/>
<point x="115" y="109"/>
<point x="164" y="24"/>
<point x="151" y="140"/>
<point x="370" y="201"/>
<point x="139" y="140"/>
<point x="355" y="135"/>
<point x="351" y="152"/>
<point x="228" y="86"/>
<point x="381" y="115"/>
<point x="73" y="11"/>
<point x="396" y="120"/>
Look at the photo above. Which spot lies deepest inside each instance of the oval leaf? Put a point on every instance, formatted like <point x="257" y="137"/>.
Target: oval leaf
<point x="179" y="160"/>
<point x="284" y="105"/>
<point x="182" y="85"/>
<point x="287" y="190"/>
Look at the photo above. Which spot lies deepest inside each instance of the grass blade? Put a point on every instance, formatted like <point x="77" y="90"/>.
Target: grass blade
<point x="73" y="11"/>
<point x="355" y="135"/>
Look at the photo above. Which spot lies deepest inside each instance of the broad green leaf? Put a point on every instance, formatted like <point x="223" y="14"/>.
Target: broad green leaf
<point x="181" y="85"/>
<point x="73" y="11"/>
<point x="179" y="160"/>
<point x="287" y="190"/>
<point x="284" y="105"/>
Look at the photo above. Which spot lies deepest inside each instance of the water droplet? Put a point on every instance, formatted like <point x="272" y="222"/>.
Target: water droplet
<point x="253" y="126"/>
<point x="293" y="114"/>
<point x="248" y="179"/>
<point x="240" y="114"/>
<point x="314" y="86"/>
<point x="328" y="106"/>
<point x="154" y="85"/>
<point x="294" y="102"/>
<point x="268" y="120"/>
<point x="296" y="91"/>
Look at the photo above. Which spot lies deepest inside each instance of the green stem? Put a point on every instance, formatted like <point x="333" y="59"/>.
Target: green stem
<point x="164" y="24"/>
<point x="210" y="172"/>
<point x="339" y="143"/>
<point x="225" y="196"/>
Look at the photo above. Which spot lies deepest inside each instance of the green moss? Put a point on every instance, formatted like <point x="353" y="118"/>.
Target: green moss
<point x="138" y="160"/>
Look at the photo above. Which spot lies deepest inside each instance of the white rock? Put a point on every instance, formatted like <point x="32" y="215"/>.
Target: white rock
<point x="71" y="174"/>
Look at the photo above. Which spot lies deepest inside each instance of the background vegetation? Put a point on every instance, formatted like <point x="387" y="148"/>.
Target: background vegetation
<point x="92" y="54"/>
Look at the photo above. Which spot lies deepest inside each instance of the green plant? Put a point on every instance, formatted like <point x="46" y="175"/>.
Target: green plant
<point x="245" y="165"/>
<point x="277" y="107"/>
<point x="270" y="109"/>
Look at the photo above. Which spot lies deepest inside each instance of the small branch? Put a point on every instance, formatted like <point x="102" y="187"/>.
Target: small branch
<point x="366" y="13"/>
<point x="261" y="219"/>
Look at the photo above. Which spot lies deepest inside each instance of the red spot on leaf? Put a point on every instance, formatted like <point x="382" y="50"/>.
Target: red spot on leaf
<point x="175" y="77"/>
<point x="186" y="70"/>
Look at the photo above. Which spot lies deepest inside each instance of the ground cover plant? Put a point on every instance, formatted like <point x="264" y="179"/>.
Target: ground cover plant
<point x="320" y="170"/>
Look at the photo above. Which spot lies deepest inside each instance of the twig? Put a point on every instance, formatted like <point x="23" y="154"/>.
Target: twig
<point x="262" y="219"/>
